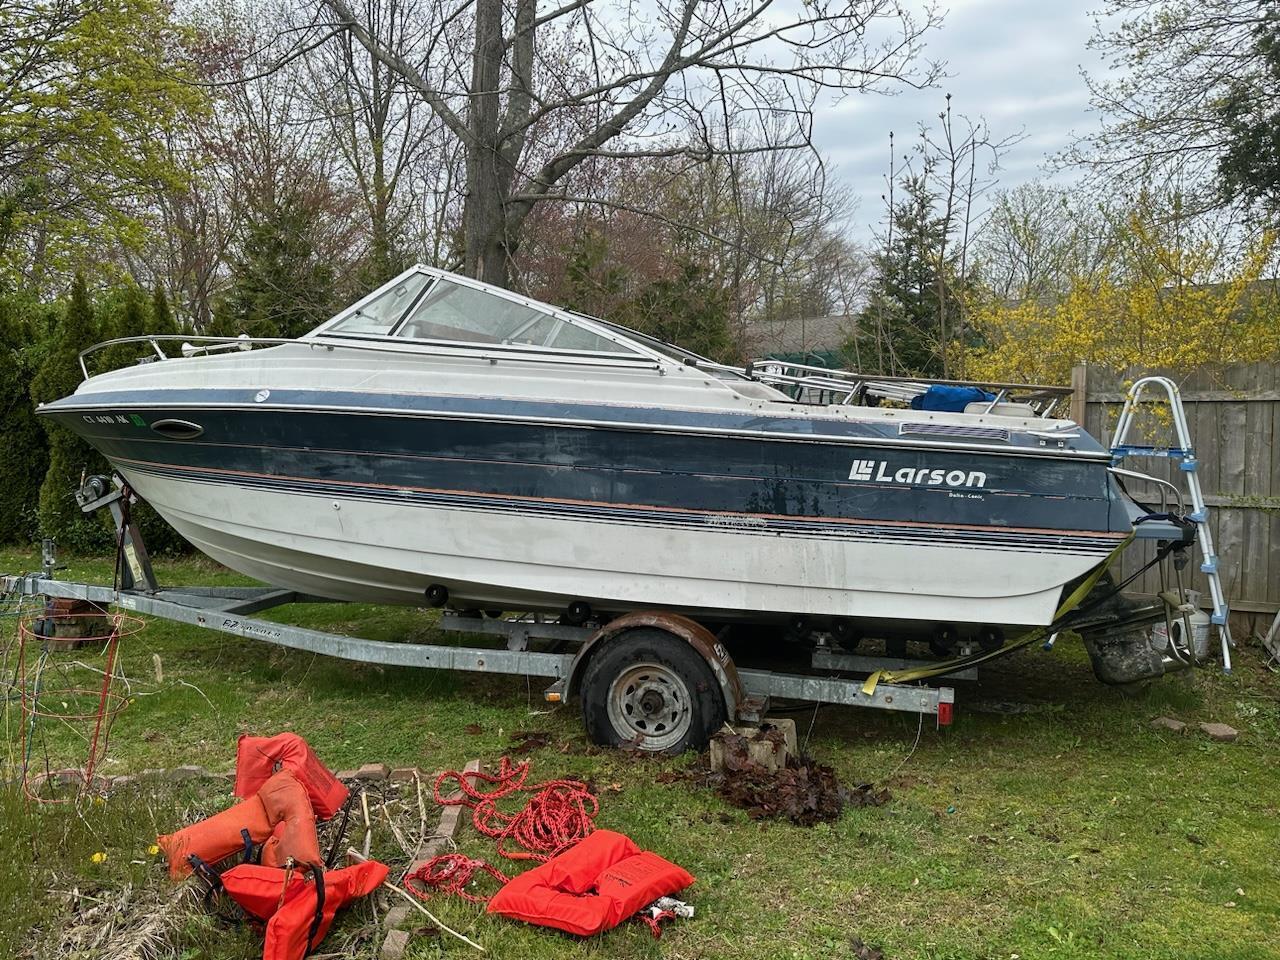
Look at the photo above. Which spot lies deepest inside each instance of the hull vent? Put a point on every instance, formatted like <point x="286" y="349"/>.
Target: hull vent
<point x="953" y="431"/>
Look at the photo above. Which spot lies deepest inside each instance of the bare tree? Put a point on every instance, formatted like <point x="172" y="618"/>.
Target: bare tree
<point x="531" y="95"/>
<point x="953" y="156"/>
<point x="382" y="132"/>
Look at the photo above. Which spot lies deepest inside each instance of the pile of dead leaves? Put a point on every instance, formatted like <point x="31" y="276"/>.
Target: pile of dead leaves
<point x="803" y="791"/>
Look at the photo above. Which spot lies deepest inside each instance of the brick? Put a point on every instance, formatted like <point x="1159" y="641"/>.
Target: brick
<point x="1220" y="732"/>
<point x="1170" y="724"/>
<point x="405" y="774"/>
<point x="397" y="916"/>
<point x="451" y="816"/>
<point x="394" y="946"/>
<point x="373" y="771"/>
<point x="347" y="774"/>
<point x="187" y="772"/>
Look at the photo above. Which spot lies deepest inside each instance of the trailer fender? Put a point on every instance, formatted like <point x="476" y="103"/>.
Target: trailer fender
<point x="693" y="633"/>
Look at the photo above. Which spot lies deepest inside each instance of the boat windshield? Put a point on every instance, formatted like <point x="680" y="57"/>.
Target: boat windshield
<point x="454" y="312"/>
<point x="419" y="306"/>
<point x="671" y="350"/>
<point x="380" y="315"/>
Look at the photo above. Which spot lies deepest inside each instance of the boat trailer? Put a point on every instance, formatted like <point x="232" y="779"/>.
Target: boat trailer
<point x="532" y="645"/>
<point x="230" y="610"/>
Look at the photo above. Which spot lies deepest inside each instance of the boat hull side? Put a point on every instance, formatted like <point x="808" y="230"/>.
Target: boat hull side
<point x="384" y="550"/>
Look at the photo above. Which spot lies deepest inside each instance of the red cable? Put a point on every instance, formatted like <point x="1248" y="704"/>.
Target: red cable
<point x="654" y="921"/>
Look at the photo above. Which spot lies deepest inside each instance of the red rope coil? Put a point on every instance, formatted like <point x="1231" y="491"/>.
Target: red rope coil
<point x="557" y="815"/>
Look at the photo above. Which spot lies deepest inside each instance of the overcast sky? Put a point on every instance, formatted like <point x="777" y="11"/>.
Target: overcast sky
<point x="1015" y="62"/>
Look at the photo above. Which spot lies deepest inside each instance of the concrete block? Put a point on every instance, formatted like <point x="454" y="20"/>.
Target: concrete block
<point x="394" y="946"/>
<point x="373" y="772"/>
<point x="405" y="774"/>
<point x="67" y="644"/>
<point x="396" y="916"/>
<point x="1220" y="732"/>
<point x="1170" y="724"/>
<point x="762" y="748"/>
<point x="451" y="816"/>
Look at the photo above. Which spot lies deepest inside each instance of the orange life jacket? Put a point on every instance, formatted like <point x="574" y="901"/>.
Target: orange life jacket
<point x="258" y="758"/>
<point x="217" y="837"/>
<point x="298" y="910"/>
<point x="278" y="816"/>
<point x="591" y="887"/>
<point x="294" y="825"/>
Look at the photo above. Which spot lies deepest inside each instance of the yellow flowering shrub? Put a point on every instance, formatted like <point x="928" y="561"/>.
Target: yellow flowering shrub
<point x="1155" y="304"/>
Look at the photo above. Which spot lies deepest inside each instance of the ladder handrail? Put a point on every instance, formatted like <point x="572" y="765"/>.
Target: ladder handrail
<point x="1188" y="465"/>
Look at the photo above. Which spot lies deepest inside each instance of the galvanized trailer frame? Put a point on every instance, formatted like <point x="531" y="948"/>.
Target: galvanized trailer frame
<point x="231" y="610"/>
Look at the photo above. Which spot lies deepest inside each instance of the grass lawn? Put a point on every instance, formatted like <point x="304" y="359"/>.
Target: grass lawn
<point x="1071" y="830"/>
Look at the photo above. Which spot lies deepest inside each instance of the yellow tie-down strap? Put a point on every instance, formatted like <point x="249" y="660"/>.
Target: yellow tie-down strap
<point x="1031" y="636"/>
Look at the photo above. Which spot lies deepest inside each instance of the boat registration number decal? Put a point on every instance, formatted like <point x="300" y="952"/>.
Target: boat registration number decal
<point x="878" y="471"/>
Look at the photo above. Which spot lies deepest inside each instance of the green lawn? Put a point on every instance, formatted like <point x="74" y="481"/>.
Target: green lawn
<point x="1071" y="830"/>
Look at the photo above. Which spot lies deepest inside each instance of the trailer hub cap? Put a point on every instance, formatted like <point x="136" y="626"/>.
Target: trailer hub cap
<point x="650" y="704"/>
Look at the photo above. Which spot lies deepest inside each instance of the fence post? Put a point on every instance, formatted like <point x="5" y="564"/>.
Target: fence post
<point x="1079" y="392"/>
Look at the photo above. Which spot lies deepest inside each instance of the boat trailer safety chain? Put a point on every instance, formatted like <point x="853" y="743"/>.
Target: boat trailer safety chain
<point x="1068" y="605"/>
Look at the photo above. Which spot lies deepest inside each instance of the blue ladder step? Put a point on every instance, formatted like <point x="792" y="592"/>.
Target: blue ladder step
<point x="1126" y="449"/>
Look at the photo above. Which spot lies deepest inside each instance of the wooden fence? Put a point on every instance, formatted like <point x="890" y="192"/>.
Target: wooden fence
<point x="1234" y="416"/>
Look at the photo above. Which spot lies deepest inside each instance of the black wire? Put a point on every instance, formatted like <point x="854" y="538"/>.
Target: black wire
<point x="342" y="832"/>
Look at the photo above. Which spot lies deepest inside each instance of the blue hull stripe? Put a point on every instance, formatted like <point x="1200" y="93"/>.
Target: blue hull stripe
<point x="558" y="414"/>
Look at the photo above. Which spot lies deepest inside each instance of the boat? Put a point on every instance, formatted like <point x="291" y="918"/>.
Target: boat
<point x="446" y="442"/>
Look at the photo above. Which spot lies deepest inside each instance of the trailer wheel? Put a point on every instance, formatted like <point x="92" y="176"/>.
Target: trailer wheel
<point x="651" y="690"/>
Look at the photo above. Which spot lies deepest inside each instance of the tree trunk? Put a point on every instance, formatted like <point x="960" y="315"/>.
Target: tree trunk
<point x="483" y="214"/>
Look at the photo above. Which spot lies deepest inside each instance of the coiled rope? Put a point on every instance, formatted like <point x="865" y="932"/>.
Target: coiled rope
<point x="557" y="815"/>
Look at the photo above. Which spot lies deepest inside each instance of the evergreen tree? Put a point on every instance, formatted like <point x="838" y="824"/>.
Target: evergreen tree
<point x="69" y="456"/>
<point x="279" y="286"/>
<point x="26" y="453"/>
<point x="690" y="310"/>
<point x="1249" y="167"/>
<point x="596" y="283"/>
<point x="914" y="301"/>
<point x="124" y="314"/>
<point x="162" y="321"/>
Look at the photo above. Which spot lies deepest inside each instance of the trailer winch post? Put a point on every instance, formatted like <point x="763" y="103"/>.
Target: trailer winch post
<point x="134" y="565"/>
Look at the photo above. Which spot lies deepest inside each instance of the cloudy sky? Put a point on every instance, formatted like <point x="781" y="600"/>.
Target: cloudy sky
<point x="1015" y="63"/>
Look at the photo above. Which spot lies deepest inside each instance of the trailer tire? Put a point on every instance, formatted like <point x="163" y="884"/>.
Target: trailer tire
<point x="650" y="690"/>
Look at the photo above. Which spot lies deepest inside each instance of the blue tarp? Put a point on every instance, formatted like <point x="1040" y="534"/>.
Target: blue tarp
<point x="950" y="399"/>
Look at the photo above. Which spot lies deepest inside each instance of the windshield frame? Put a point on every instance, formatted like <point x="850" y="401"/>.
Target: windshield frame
<point x="636" y="350"/>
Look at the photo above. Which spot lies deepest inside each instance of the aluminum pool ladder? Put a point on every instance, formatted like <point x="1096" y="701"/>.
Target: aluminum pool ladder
<point x="1184" y="454"/>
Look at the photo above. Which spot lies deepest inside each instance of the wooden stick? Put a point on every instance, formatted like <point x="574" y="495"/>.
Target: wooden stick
<point x="417" y="905"/>
<point x="368" y="827"/>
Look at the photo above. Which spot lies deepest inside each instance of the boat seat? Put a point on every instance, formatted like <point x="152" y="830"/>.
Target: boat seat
<point x="1002" y="409"/>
